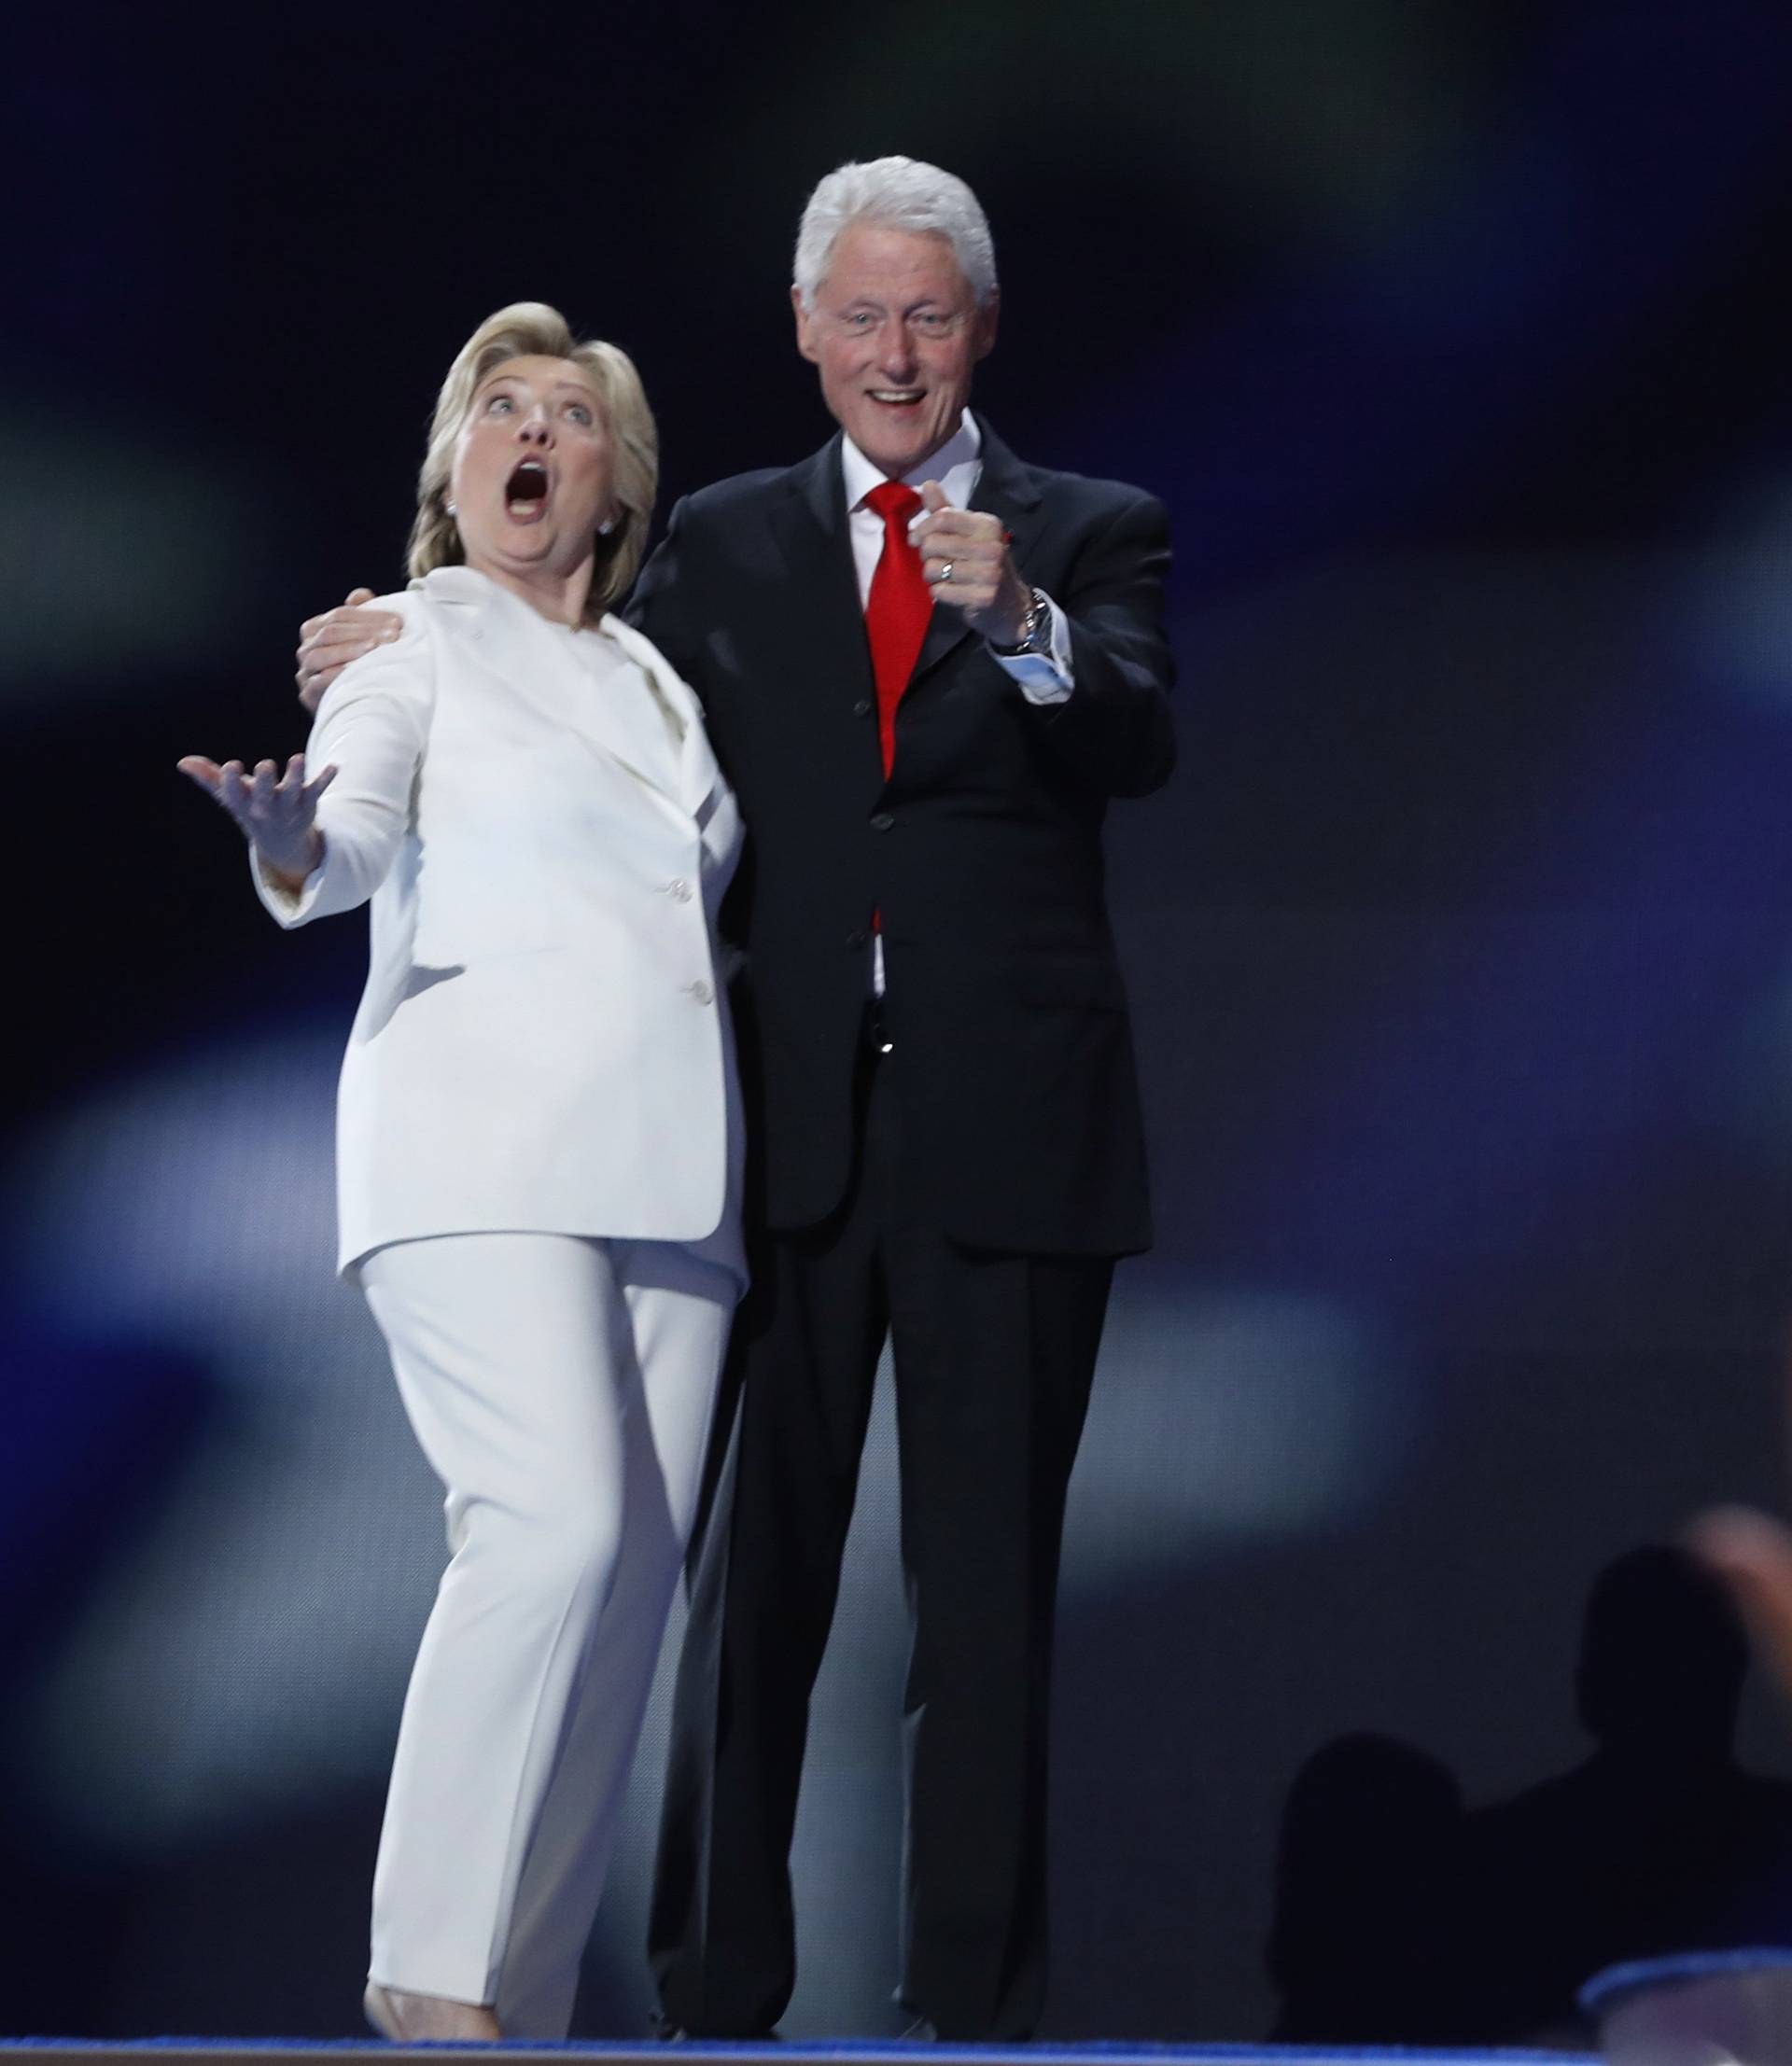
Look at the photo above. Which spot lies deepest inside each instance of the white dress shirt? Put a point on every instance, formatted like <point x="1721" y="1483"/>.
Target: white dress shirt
<point x="958" y="466"/>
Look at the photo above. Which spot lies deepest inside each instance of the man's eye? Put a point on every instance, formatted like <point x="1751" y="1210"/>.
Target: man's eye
<point x="861" y="319"/>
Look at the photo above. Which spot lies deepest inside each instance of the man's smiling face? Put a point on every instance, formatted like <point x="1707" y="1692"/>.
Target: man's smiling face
<point x="897" y="332"/>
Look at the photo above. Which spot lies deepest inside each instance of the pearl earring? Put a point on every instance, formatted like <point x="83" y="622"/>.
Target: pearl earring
<point x="606" y="526"/>
<point x="451" y="510"/>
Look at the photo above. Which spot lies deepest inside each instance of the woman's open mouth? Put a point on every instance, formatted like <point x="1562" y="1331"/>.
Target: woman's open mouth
<point x="525" y="492"/>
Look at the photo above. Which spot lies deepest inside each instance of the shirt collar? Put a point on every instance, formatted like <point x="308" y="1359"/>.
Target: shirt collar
<point x="964" y="447"/>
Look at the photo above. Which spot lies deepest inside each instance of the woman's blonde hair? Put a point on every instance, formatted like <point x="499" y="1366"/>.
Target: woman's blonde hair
<point x="532" y="329"/>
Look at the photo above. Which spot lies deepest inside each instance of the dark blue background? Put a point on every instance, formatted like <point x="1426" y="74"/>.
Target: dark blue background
<point x="1454" y="335"/>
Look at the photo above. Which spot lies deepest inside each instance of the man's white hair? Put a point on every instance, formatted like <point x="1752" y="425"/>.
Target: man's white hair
<point x="901" y="193"/>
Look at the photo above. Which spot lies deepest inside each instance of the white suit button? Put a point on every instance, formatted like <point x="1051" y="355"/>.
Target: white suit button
<point x="699" y="991"/>
<point x="678" y="890"/>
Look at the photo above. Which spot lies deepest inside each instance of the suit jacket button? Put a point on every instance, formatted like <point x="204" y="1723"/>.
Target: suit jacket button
<point x="862" y="708"/>
<point x="882" y="822"/>
<point x="699" y="991"/>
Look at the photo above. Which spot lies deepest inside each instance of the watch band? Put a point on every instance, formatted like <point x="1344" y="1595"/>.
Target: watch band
<point x="1034" y="629"/>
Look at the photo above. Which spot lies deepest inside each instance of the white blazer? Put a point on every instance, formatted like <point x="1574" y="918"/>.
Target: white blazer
<point x="543" y="1043"/>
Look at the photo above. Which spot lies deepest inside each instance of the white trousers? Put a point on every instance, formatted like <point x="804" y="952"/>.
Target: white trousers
<point x="561" y="1389"/>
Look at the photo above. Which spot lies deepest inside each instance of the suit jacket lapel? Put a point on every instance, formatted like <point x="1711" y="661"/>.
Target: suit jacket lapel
<point x="810" y="529"/>
<point x="1005" y="489"/>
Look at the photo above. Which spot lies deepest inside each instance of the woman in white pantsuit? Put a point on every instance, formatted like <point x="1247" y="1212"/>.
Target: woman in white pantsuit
<point x="538" y="1143"/>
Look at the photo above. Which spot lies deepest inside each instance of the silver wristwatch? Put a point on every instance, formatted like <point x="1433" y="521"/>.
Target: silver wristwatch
<point x="1035" y="631"/>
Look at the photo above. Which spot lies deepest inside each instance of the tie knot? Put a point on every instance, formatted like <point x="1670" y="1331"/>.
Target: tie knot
<point x="894" y="501"/>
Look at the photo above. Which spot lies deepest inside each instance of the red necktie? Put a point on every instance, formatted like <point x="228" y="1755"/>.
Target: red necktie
<point x="897" y="610"/>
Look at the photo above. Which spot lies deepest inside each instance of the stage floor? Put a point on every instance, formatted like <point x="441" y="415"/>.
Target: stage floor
<point x="186" y="2051"/>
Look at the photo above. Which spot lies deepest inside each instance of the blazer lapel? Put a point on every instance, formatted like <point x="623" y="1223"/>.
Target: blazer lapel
<point x="1005" y="489"/>
<point x="698" y="771"/>
<point x="529" y="656"/>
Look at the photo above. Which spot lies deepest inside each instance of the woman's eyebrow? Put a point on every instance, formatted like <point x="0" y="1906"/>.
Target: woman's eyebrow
<point x="556" y="387"/>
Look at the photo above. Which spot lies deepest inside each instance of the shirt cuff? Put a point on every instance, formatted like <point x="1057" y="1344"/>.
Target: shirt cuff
<point x="286" y="907"/>
<point x="1044" y="677"/>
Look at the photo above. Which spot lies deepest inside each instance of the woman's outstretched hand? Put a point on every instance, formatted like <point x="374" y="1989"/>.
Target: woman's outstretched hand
<point x="276" y="813"/>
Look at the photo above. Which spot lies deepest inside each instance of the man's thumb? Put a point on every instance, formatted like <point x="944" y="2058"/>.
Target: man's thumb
<point x="356" y="597"/>
<point x="933" y="497"/>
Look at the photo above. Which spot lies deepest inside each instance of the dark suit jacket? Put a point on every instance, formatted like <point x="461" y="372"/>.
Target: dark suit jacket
<point x="1021" y="1126"/>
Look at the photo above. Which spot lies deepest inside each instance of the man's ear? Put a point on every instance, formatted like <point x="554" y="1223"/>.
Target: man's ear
<point x="804" y="326"/>
<point x="986" y="319"/>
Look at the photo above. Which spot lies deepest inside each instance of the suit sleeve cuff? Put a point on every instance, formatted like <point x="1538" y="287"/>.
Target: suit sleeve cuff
<point x="286" y="907"/>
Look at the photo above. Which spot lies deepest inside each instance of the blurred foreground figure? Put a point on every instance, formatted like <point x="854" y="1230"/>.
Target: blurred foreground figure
<point x="1659" y="1844"/>
<point x="1700" y="2010"/>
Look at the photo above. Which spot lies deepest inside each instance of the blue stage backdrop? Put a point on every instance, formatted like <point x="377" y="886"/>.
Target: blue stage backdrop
<point x="1454" y="333"/>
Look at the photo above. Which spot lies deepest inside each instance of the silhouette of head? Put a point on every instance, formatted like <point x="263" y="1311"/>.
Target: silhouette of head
<point x="1367" y="1836"/>
<point x="1662" y="1656"/>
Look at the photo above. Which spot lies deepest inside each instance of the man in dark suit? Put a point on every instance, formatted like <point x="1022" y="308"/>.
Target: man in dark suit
<point x="937" y="1056"/>
<point x="926" y="668"/>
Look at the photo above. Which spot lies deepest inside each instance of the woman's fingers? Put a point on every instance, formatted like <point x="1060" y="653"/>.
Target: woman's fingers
<point x="226" y="784"/>
<point x="234" y="792"/>
<point x="269" y="805"/>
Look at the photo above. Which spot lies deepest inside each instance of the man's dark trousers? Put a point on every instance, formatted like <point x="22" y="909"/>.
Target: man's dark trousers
<point x="993" y="1356"/>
